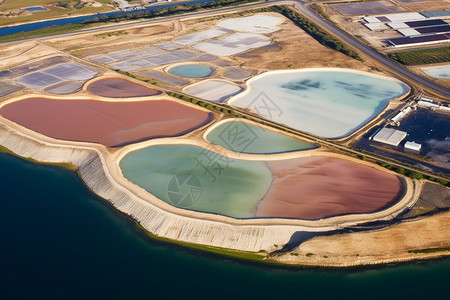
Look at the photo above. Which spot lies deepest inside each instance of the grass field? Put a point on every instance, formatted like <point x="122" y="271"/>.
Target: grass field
<point x="422" y="56"/>
<point x="53" y="11"/>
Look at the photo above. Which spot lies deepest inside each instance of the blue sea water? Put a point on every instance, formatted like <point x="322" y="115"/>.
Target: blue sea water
<point x="59" y="241"/>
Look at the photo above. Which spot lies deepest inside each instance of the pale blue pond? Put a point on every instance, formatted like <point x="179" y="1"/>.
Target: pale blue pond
<point x="329" y="103"/>
<point x="243" y="137"/>
<point x="191" y="71"/>
<point x="440" y="72"/>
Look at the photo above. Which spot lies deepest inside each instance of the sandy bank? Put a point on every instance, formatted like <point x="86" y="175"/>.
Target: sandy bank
<point x="389" y="245"/>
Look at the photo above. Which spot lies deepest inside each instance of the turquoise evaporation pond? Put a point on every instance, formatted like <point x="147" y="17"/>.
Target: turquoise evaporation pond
<point x="191" y="71"/>
<point x="327" y="103"/>
<point x="194" y="178"/>
<point x="243" y="137"/>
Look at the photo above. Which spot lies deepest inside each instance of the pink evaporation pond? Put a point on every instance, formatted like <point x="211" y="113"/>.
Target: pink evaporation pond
<point x="108" y="123"/>
<point x="119" y="88"/>
<point x="319" y="186"/>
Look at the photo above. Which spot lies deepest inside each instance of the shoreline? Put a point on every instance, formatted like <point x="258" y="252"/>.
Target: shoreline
<point x="242" y="253"/>
<point x="261" y="256"/>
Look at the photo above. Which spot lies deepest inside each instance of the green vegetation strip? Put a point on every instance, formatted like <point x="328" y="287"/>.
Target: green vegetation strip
<point x="319" y="35"/>
<point x="422" y="56"/>
<point x="52" y="30"/>
<point x="430" y="250"/>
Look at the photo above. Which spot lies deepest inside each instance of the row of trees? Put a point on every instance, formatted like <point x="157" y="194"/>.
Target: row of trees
<point x="319" y="35"/>
<point x="206" y="105"/>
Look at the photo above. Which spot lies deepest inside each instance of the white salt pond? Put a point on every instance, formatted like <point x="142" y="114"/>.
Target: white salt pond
<point x="213" y="90"/>
<point x="233" y="44"/>
<point x="56" y="75"/>
<point x="253" y="24"/>
<point x="440" y="72"/>
<point x="200" y="36"/>
<point x="330" y="103"/>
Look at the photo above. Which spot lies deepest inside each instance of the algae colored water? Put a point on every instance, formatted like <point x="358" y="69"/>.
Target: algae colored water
<point x="329" y="103"/>
<point x="59" y="241"/>
<point x="191" y="71"/>
<point x="194" y="178"/>
<point x="243" y="137"/>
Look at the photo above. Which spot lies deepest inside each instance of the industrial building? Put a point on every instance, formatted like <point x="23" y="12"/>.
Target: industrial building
<point x="417" y="28"/>
<point x="413" y="146"/>
<point x="389" y="136"/>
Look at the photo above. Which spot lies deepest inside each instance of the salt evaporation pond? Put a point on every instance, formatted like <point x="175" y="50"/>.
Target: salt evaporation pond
<point x="244" y="137"/>
<point x="440" y="72"/>
<point x="119" y="88"/>
<point x="329" y="103"/>
<point x="108" y="123"/>
<point x="194" y="178"/>
<point x="254" y="24"/>
<point x="191" y="71"/>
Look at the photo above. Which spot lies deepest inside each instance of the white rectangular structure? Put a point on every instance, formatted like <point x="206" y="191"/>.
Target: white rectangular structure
<point x="397" y="25"/>
<point x="399" y="17"/>
<point x="408" y="31"/>
<point x="404" y="17"/>
<point x="390" y="136"/>
<point x="413" y="146"/>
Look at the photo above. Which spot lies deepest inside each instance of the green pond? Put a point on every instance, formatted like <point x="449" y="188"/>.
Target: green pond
<point x="195" y="178"/>
<point x="191" y="71"/>
<point x="244" y="137"/>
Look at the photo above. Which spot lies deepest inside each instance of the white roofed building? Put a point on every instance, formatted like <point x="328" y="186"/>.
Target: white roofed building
<point x="390" y="136"/>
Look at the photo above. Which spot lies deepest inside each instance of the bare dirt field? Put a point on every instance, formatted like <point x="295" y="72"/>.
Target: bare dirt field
<point x="388" y="245"/>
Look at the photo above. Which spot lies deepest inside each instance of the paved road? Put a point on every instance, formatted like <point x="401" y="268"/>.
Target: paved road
<point x="424" y="82"/>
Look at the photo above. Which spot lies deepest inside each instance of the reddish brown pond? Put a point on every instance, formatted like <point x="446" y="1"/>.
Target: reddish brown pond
<point x="119" y="88"/>
<point x="317" y="187"/>
<point x="107" y="123"/>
